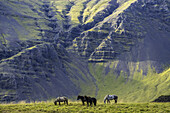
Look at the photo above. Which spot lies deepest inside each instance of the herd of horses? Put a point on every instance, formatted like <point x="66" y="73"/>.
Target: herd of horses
<point x="90" y="100"/>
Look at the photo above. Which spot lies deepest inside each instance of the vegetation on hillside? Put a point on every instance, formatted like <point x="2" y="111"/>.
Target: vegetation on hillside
<point x="136" y="88"/>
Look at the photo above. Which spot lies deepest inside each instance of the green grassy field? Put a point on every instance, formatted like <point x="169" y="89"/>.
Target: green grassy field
<point x="77" y="107"/>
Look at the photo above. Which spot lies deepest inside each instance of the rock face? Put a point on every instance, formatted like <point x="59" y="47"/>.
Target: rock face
<point x="41" y="72"/>
<point x="34" y="63"/>
<point x="163" y="98"/>
<point x="46" y="45"/>
<point x="133" y="32"/>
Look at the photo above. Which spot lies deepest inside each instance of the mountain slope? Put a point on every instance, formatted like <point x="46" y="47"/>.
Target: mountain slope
<point x="136" y="88"/>
<point x="50" y="48"/>
<point x="34" y="65"/>
<point x="136" y="31"/>
<point x="41" y="72"/>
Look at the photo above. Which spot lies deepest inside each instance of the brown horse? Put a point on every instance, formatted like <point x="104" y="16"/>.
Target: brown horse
<point x="61" y="99"/>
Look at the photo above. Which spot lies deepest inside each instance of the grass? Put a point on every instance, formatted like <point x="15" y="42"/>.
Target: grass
<point x="73" y="107"/>
<point x="137" y="88"/>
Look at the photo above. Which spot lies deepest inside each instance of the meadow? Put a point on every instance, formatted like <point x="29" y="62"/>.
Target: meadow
<point x="77" y="107"/>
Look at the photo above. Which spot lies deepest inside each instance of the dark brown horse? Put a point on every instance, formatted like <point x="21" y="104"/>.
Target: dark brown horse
<point x="82" y="98"/>
<point x="61" y="99"/>
<point x="89" y="100"/>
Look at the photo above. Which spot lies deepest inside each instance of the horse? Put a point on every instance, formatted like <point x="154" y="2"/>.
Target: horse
<point x="91" y="100"/>
<point x="110" y="97"/>
<point x="88" y="100"/>
<point x="61" y="99"/>
<point x="82" y="98"/>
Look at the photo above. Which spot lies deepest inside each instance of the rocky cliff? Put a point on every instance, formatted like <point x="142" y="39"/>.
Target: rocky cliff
<point x="132" y="32"/>
<point x="34" y="62"/>
<point x="50" y="48"/>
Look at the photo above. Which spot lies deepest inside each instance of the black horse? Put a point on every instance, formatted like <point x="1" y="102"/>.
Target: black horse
<point x="88" y="100"/>
<point x="91" y="100"/>
<point x="82" y="98"/>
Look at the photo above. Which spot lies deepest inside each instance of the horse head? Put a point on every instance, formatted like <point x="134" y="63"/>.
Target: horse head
<point x="86" y="98"/>
<point x="78" y="97"/>
<point x="105" y="98"/>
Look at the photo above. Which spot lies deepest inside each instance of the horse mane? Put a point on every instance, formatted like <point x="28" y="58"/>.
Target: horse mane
<point x="105" y="98"/>
<point x="80" y="97"/>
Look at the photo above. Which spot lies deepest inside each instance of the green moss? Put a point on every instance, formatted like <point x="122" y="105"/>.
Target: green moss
<point x="102" y="31"/>
<point x="120" y="9"/>
<point x="101" y="5"/>
<point x="76" y="10"/>
<point x="19" y="54"/>
<point x="85" y="82"/>
<point x="165" y="72"/>
<point x="3" y="38"/>
<point x="27" y="30"/>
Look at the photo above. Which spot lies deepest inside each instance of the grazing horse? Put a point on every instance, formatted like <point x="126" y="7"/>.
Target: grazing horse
<point x="110" y="97"/>
<point x="82" y="98"/>
<point x="88" y="100"/>
<point x="91" y="100"/>
<point x="61" y="99"/>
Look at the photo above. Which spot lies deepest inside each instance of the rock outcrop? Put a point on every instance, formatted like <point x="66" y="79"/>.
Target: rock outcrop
<point x="163" y="98"/>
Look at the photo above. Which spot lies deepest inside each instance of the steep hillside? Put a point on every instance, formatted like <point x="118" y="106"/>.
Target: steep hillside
<point x="42" y="72"/>
<point x="136" y="88"/>
<point x="34" y="64"/>
<point x="50" y="48"/>
<point x="134" y="32"/>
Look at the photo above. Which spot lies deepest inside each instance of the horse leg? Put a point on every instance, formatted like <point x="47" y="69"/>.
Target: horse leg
<point x="59" y="103"/>
<point x="67" y="102"/>
<point x="115" y="100"/>
<point x="95" y="102"/>
<point x="83" y="102"/>
<point x="87" y="103"/>
<point x="90" y="103"/>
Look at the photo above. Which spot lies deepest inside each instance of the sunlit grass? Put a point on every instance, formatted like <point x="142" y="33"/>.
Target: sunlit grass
<point x="78" y="107"/>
